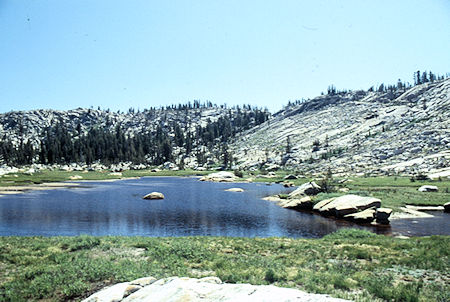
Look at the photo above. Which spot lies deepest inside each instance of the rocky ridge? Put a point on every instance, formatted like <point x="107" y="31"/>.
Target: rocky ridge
<point x="357" y="132"/>
<point x="32" y="123"/>
<point x="354" y="133"/>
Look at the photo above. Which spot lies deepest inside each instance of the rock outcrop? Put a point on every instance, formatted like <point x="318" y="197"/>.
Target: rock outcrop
<point x="353" y="133"/>
<point x="348" y="204"/>
<point x="447" y="207"/>
<point x="222" y="176"/>
<point x="365" y="216"/>
<point x="355" y="208"/>
<point x="207" y="289"/>
<point x="359" y="132"/>
<point x="304" y="203"/>
<point x="383" y="215"/>
<point x="309" y="188"/>
<point x="428" y="188"/>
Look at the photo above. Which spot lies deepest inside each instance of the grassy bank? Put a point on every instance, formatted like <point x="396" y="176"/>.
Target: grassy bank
<point x="350" y="264"/>
<point x="19" y="179"/>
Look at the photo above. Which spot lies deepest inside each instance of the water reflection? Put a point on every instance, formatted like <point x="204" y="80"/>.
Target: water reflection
<point x="190" y="208"/>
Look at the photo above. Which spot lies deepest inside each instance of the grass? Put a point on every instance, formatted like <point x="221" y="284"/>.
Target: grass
<point x="18" y="179"/>
<point x="352" y="264"/>
<point x="393" y="191"/>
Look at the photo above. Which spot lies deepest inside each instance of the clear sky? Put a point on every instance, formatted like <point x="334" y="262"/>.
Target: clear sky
<point x="120" y="54"/>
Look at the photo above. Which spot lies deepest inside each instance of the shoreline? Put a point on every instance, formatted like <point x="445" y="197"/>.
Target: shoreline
<point x="406" y="212"/>
<point x="20" y="189"/>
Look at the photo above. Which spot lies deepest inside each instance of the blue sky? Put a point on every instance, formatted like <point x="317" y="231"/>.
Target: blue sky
<point x="121" y="54"/>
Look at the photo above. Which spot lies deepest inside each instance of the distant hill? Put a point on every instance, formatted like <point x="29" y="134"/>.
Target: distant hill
<point x="182" y="134"/>
<point x="406" y="130"/>
<point x="379" y="131"/>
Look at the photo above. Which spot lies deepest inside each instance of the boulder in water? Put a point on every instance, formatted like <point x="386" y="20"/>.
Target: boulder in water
<point x="154" y="195"/>
<point x="235" y="190"/>
<point x="447" y="207"/>
<point x="383" y="214"/>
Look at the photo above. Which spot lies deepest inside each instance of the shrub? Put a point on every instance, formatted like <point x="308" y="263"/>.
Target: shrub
<point x="238" y="173"/>
<point x="347" y="233"/>
<point x="270" y="276"/>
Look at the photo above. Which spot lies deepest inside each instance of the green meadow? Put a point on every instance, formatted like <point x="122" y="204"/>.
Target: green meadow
<point x="350" y="264"/>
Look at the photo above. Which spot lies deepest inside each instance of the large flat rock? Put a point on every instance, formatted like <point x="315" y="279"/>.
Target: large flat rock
<point x="349" y="204"/>
<point x="207" y="289"/>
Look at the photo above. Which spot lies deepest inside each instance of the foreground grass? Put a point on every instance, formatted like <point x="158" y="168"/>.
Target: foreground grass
<point x="350" y="264"/>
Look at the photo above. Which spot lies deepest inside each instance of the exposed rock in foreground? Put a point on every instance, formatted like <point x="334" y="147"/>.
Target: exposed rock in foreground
<point x="304" y="203"/>
<point x="205" y="289"/>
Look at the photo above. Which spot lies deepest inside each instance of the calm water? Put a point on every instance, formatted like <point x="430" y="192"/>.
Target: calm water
<point x="190" y="208"/>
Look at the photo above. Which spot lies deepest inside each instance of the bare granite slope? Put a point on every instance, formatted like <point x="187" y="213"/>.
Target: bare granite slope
<point x="357" y="132"/>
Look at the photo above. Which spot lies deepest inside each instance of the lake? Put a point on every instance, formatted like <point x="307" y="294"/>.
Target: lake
<point x="191" y="208"/>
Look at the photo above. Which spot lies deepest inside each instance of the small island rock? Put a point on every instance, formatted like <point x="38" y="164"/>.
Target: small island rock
<point x="154" y="195"/>
<point x="235" y="190"/>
